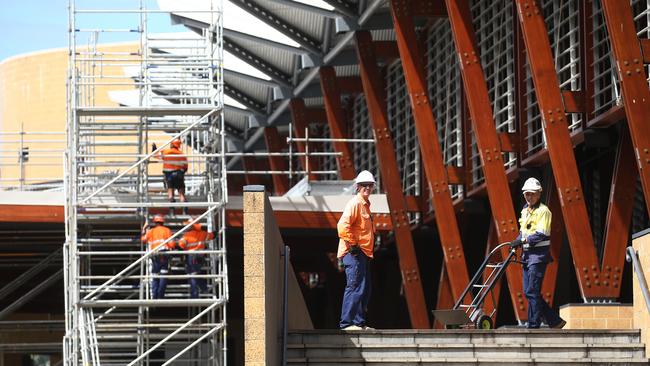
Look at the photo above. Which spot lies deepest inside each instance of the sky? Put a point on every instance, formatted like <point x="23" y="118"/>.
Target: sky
<point x="33" y="25"/>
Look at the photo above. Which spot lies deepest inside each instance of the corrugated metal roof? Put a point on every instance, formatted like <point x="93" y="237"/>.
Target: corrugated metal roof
<point x="280" y="59"/>
<point x="310" y="23"/>
<point x="237" y="118"/>
<point x="257" y="89"/>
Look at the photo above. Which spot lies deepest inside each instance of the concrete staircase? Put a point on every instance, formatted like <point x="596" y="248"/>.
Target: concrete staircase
<point x="466" y="347"/>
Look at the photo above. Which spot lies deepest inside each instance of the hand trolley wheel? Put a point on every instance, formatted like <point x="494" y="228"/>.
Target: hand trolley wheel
<point x="484" y="322"/>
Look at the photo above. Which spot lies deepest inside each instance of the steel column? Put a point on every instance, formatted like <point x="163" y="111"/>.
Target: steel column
<point x="445" y="298"/>
<point x="277" y="163"/>
<point x="619" y="214"/>
<point x="432" y="160"/>
<point x="565" y="170"/>
<point x="250" y="164"/>
<point x="557" y="239"/>
<point x="300" y="123"/>
<point x="626" y="48"/>
<point x="487" y="140"/>
<point x="336" y="121"/>
<point x="375" y="95"/>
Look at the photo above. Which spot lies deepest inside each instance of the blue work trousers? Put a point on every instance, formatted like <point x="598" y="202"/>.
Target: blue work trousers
<point x="194" y="267"/>
<point x="159" y="266"/>
<point x="357" y="290"/>
<point x="538" y="309"/>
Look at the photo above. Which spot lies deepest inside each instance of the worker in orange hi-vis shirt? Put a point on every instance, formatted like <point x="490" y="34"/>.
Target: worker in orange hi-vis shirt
<point x="356" y="247"/>
<point x="155" y="237"/>
<point x="193" y="240"/>
<point x="174" y="169"/>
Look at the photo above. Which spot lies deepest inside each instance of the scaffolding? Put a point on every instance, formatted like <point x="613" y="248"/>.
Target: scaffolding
<point x="169" y="86"/>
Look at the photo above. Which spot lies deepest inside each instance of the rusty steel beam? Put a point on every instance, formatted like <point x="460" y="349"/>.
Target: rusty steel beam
<point x="626" y="49"/>
<point x="336" y="121"/>
<point x="565" y="169"/>
<point x="375" y="94"/>
<point x="277" y="163"/>
<point x="300" y="120"/>
<point x="487" y="140"/>
<point x="619" y="214"/>
<point x="250" y="164"/>
<point x="432" y="158"/>
<point x="489" y="305"/>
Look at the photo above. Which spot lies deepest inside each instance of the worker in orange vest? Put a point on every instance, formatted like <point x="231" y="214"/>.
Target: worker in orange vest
<point x="155" y="237"/>
<point x="174" y="169"/>
<point x="195" y="239"/>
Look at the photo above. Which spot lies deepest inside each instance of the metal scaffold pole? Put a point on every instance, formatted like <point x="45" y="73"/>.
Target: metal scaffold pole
<point x="123" y="97"/>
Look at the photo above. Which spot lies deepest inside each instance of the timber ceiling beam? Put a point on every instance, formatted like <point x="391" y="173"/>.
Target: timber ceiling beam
<point x="375" y="94"/>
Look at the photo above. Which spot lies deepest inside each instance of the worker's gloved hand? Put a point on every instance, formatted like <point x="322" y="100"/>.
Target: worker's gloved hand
<point x="153" y="146"/>
<point x="354" y="249"/>
<point x="516" y="243"/>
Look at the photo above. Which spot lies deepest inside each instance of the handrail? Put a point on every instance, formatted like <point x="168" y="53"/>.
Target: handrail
<point x="632" y="255"/>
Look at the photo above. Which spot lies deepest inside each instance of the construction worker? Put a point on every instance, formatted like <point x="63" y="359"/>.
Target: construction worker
<point x="159" y="263"/>
<point x="193" y="240"/>
<point x="535" y="240"/>
<point x="356" y="247"/>
<point x="174" y="168"/>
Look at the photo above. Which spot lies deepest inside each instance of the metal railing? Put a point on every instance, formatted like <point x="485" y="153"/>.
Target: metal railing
<point x="631" y="255"/>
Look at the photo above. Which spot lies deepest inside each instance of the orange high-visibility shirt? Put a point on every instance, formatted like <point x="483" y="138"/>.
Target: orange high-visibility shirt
<point x="173" y="159"/>
<point x="195" y="240"/>
<point x="355" y="226"/>
<point x="156" y="236"/>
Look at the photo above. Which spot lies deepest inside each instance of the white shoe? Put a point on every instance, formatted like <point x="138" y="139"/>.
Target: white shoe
<point x="352" y="327"/>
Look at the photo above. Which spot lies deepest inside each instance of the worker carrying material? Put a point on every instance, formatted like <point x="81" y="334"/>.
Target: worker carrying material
<point x="193" y="240"/>
<point x="535" y="240"/>
<point x="356" y="247"/>
<point x="174" y="169"/>
<point x="155" y="237"/>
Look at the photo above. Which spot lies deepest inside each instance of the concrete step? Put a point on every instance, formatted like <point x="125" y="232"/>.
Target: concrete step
<point x="464" y="362"/>
<point x="498" y="336"/>
<point x="467" y="351"/>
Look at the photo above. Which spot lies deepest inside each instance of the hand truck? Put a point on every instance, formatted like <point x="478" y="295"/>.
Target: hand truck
<point x="472" y="314"/>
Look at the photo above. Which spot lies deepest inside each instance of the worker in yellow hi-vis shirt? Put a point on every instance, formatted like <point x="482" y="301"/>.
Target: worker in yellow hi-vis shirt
<point x="535" y="239"/>
<point x="356" y="247"/>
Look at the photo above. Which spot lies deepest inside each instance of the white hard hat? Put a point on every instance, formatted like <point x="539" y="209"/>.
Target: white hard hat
<point x="531" y="185"/>
<point x="364" y="177"/>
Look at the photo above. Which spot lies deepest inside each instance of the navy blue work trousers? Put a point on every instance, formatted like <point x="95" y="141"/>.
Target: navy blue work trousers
<point x="357" y="290"/>
<point x="159" y="266"/>
<point x="195" y="267"/>
<point x="538" y="309"/>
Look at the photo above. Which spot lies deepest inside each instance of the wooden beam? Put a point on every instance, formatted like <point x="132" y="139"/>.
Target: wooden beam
<point x="336" y="121"/>
<point x="375" y="94"/>
<point x="560" y="149"/>
<point x="487" y="139"/>
<point x="619" y="215"/>
<point x="626" y="49"/>
<point x="557" y="239"/>
<point x="431" y="153"/>
<point x="300" y="124"/>
<point x="277" y="163"/>
<point x="574" y="101"/>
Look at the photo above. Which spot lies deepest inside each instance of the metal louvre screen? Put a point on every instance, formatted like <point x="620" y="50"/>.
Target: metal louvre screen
<point x="444" y="84"/>
<point x="326" y="162"/>
<point x="402" y="128"/>
<point x="365" y="156"/>
<point x="562" y="24"/>
<point x="493" y="22"/>
<point x="606" y="85"/>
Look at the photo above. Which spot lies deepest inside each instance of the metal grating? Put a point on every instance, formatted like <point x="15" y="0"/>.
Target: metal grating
<point x="563" y="27"/>
<point x="402" y="127"/>
<point x="444" y="86"/>
<point x="325" y="162"/>
<point x="365" y="156"/>
<point x="606" y="85"/>
<point x="493" y="21"/>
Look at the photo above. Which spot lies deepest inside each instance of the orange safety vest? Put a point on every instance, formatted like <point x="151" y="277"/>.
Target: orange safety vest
<point x="173" y="159"/>
<point x="195" y="240"/>
<point x="156" y="236"/>
<point x="355" y="227"/>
